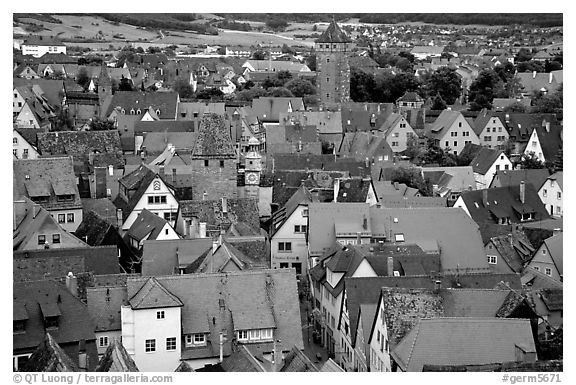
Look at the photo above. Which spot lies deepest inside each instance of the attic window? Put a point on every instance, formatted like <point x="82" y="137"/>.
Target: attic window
<point x="19" y="326"/>
<point x="138" y="111"/>
<point x="399" y="237"/>
<point x="132" y="111"/>
<point x="158" y="112"/>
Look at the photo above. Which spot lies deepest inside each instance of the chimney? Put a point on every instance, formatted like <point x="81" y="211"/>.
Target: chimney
<point x="202" y="229"/>
<point x="224" y="205"/>
<point x="359" y="238"/>
<point x="100" y="182"/>
<point x="550" y="77"/>
<point x="365" y="222"/>
<point x="507" y="118"/>
<point x="143" y="153"/>
<point x="390" y="266"/>
<point x="276" y="356"/>
<point x="533" y="74"/>
<point x="110" y="170"/>
<point x="173" y="176"/>
<point x="215" y="244"/>
<point x="396" y="186"/>
<point x="72" y="284"/>
<point x="522" y="192"/>
<point x="161" y="172"/>
<point x="221" y="347"/>
<point x="437" y="284"/>
<point x="547" y="127"/>
<point x="485" y="197"/>
<point x="119" y="218"/>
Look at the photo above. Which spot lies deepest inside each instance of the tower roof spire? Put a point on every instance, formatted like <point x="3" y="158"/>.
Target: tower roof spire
<point x="333" y="34"/>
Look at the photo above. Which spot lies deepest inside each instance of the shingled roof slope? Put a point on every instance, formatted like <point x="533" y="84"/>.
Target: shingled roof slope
<point x="213" y="139"/>
<point x="333" y="34"/>
<point x="49" y="357"/>
<point x="116" y="359"/>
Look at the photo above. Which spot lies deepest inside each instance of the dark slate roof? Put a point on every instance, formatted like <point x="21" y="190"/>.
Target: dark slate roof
<point x="515" y="249"/>
<point x="104" y="303"/>
<point x="301" y="196"/>
<point x="462" y="341"/>
<point x="49" y="357"/>
<point x="296" y="133"/>
<point x="74" y="323"/>
<point x="552" y="298"/>
<point x="210" y="211"/>
<point x="137" y="180"/>
<point x="99" y="148"/>
<point x="555" y="248"/>
<point x="251" y="299"/>
<point x="326" y="162"/>
<point x="484" y="159"/>
<point x="166" y="257"/>
<point x="483" y="118"/>
<point x="333" y="34"/>
<point x="36" y="264"/>
<point x="354" y="190"/>
<point x="241" y="360"/>
<point x="146" y="226"/>
<point x="166" y="102"/>
<point x="213" y="139"/>
<point x="47" y="177"/>
<point x="504" y="202"/>
<point x="164" y="126"/>
<point x="520" y="125"/>
<point x="514" y="366"/>
<point x="410" y="97"/>
<point x="41" y="40"/>
<point x="116" y="359"/>
<point x="51" y="88"/>
<point x="29" y="134"/>
<point x="297" y="361"/>
<point x="183" y="367"/>
<point x="536" y="177"/>
<point x="93" y="228"/>
<point x="550" y="141"/>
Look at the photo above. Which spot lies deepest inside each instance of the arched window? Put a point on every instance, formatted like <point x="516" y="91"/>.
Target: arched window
<point x="138" y="111"/>
<point x="158" y="112"/>
<point x="132" y="111"/>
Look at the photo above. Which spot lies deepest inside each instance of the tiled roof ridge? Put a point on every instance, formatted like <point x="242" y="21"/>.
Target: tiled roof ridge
<point x="213" y="275"/>
<point x="413" y="344"/>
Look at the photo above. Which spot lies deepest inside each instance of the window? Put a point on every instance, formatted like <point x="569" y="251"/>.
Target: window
<point x="497" y="167"/>
<point x="558" y="195"/>
<point x="103" y="341"/>
<point x="41" y="239"/>
<point x="14" y="140"/>
<point x="533" y="143"/>
<point x="171" y="343"/>
<point x="466" y="133"/>
<point x="255" y="334"/>
<point x="453" y="133"/>
<point x="300" y="229"/>
<point x="487" y="138"/>
<point x="394" y="144"/>
<point x="551" y="183"/>
<point x="160" y="314"/>
<point x="548" y="271"/>
<point x="156" y="199"/>
<point x="399" y="237"/>
<point x="55" y="238"/>
<point x="206" y="163"/>
<point x="221" y="164"/>
<point x="558" y="210"/>
<point x="537" y="268"/>
<point x="506" y="167"/>
<point x="492" y="259"/>
<point x="242" y="335"/>
<point x="447" y="143"/>
<point x="170" y="216"/>
<point x="459" y="124"/>
<point x="61" y="218"/>
<point x="545" y="193"/>
<point x="402" y="125"/>
<point x="266" y="334"/>
<point x="305" y="212"/>
<point x="51" y="322"/>
<point x="25" y="153"/>
<point x="70" y="218"/>
<point x="150" y="346"/>
<point x="285" y="247"/>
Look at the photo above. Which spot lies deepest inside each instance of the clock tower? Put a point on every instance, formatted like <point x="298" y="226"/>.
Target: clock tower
<point x="252" y="169"/>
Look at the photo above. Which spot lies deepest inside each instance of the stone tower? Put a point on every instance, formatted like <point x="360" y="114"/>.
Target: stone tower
<point x="104" y="85"/>
<point x="253" y="169"/>
<point x="333" y="70"/>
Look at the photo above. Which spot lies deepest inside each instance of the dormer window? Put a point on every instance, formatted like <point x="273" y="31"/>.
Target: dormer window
<point x="132" y="111"/>
<point x="158" y="112"/>
<point x="19" y="326"/>
<point x="51" y="314"/>
<point x="138" y="111"/>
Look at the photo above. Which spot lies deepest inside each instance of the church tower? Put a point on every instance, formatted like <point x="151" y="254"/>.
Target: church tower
<point x="104" y="85"/>
<point x="333" y="70"/>
<point x="253" y="169"/>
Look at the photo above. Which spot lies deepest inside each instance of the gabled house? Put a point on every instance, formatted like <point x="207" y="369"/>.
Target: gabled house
<point x="410" y="100"/>
<point x="328" y="123"/>
<point x="486" y="164"/>
<point x="450" y="182"/>
<point x="371" y="148"/>
<point x="548" y="259"/>
<point x="503" y="205"/>
<point x="545" y="142"/>
<point x="25" y="71"/>
<point x="35" y="114"/>
<point x="38" y="45"/>
<point x="164" y="104"/>
<point x="24" y="144"/>
<point x="163" y="324"/>
<point x="42" y="307"/>
<point x="223" y="257"/>
<point x="509" y="253"/>
<point x="397" y="132"/>
<point x="521" y="125"/>
<point x="116" y="359"/>
<point x="551" y="194"/>
<point x="145" y="189"/>
<point x="268" y="109"/>
<point x="174" y="257"/>
<point x="451" y="131"/>
<point x="288" y="239"/>
<point x="149" y="226"/>
<point x="51" y="183"/>
<point x="490" y="129"/>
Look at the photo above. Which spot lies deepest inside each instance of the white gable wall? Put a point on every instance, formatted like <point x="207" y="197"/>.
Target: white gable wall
<point x="534" y="147"/>
<point x="548" y="194"/>
<point x="463" y="134"/>
<point x="286" y="233"/>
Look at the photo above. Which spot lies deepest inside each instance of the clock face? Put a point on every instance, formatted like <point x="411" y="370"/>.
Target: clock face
<point x="252" y="178"/>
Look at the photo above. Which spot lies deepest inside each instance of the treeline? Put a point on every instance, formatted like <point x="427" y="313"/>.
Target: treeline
<point x="536" y="19"/>
<point x="160" y="21"/>
<point x="233" y="25"/>
<point x="36" y="16"/>
<point x="288" y="17"/>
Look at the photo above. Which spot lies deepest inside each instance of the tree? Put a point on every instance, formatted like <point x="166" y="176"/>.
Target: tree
<point x="412" y="178"/>
<point x="183" y="88"/>
<point x="484" y="88"/>
<point x="515" y="107"/>
<point x="311" y="62"/>
<point x="125" y="84"/>
<point x="82" y="78"/>
<point x="523" y="55"/>
<point x="300" y="87"/>
<point x="280" y="92"/>
<point x="259" y="55"/>
<point x="287" y="49"/>
<point x="250" y="94"/>
<point x="550" y="66"/>
<point x="362" y="85"/>
<point x="438" y="103"/>
<point x="446" y="82"/>
<point x="97" y="124"/>
<point x="436" y="155"/>
<point x="530" y="161"/>
<point x="551" y="103"/>
<point x="210" y="93"/>
<point x="276" y="24"/>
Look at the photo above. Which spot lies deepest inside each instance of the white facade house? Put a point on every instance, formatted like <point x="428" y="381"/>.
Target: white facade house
<point x="451" y="131"/>
<point x="493" y="134"/>
<point x="551" y="194"/>
<point x="38" y="46"/>
<point x="158" y="199"/>
<point x="398" y="132"/>
<point x="151" y="328"/>
<point x="21" y="149"/>
<point x="487" y="167"/>
<point x="288" y="244"/>
<point x="379" y="344"/>
<point x="534" y="148"/>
